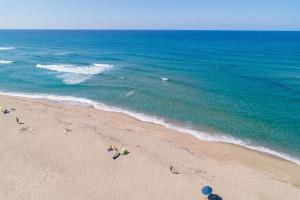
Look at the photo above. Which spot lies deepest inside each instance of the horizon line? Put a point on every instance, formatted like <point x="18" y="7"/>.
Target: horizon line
<point x="133" y="29"/>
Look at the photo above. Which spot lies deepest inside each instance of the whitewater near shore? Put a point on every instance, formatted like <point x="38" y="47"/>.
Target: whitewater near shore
<point x="60" y="152"/>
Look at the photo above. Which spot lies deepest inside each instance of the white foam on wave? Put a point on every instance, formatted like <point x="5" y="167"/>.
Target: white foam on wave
<point x="6" y="61"/>
<point x="90" y="70"/>
<point x="6" y="48"/>
<point x="130" y="93"/>
<point x="72" y="74"/>
<point x="70" y="78"/>
<point x="164" y="79"/>
<point x="152" y="119"/>
<point x="63" y="53"/>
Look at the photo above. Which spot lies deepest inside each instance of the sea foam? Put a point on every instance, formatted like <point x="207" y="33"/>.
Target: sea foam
<point x="6" y="61"/>
<point x="6" y="48"/>
<point x="130" y="93"/>
<point x="91" y="69"/>
<point x="164" y="79"/>
<point x="156" y="120"/>
<point x="71" y="78"/>
<point x="72" y="74"/>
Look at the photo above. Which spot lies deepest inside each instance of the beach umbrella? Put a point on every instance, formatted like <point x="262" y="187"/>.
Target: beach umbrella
<point x="124" y="151"/>
<point x="206" y="190"/>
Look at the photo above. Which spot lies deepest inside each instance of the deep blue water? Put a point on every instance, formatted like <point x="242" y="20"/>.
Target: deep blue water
<point x="240" y="84"/>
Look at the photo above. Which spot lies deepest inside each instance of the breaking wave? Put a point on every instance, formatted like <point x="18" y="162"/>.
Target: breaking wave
<point x="130" y="93"/>
<point x="90" y="69"/>
<point x="164" y="79"/>
<point x="6" y="61"/>
<point x="6" y="48"/>
<point x="73" y="74"/>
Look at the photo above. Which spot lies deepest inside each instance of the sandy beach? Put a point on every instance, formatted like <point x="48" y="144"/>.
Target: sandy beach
<point x="41" y="160"/>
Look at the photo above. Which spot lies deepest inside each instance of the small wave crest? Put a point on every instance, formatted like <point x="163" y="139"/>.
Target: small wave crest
<point x="90" y="70"/>
<point x="65" y="53"/>
<point x="70" y="78"/>
<point x="6" y="48"/>
<point x="152" y="119"/>
<point x="164" y="79"/>
<point x="6" y="61"/>
<point x="72" y="74"/>
<point x="130" y="93"/>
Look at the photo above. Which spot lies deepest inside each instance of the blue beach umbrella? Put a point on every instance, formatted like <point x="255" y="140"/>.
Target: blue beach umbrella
<point x="206" y="190"/>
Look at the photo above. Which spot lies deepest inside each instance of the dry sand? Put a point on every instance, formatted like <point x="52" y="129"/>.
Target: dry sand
<point x="39" y="160"/>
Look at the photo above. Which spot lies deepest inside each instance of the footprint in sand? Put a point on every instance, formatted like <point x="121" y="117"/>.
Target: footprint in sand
<point x="63" y="121"/>
<point x="27" y="129"/>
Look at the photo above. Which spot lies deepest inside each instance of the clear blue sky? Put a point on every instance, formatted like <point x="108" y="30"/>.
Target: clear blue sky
<point x="150" y="14"/>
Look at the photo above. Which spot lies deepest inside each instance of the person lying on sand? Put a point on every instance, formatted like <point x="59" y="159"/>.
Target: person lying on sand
<point x="173" y="171"/>
<point x="6" y="111"/>
<point x="67" y="131"/>
<point x="123" y="151"/>
<point x="117" y="153"/>
<point x="18" y="121"/>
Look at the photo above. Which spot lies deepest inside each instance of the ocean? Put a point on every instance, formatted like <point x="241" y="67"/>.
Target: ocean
<point x="240" y="87"/>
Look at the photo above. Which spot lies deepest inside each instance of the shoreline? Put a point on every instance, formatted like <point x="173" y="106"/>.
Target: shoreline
<point x="155" y="120"/>
<point x="39" y="160"/>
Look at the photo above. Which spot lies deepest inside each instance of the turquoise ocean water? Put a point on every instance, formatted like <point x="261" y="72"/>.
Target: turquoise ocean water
<point x="232" y="86"/>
